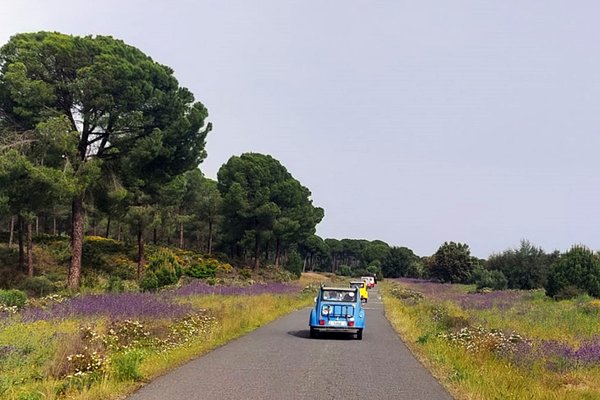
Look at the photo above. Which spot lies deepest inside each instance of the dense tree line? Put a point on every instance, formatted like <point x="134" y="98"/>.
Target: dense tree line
<point x="97" y="138"/>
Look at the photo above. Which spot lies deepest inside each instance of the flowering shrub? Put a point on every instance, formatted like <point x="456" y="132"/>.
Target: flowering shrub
<point x="559" y="356"/>
<point x="13" y="298"/>
<point x="125" y="335"/>
<point x="86" y="363"/>
<point x="7" y="310"/>
<point x="591" y="307"/>
<point x="46" y="301"/>
<point x="183" y="330"/>
<point x="164" y="268"/>
<point x="225" y="268"/>
<point x="446" y="320"/>
<point x="408" y="296"/>
<point x="482" y="340"/>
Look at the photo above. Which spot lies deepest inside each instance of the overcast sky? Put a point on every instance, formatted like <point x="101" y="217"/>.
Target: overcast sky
<point x="413" y="122"/>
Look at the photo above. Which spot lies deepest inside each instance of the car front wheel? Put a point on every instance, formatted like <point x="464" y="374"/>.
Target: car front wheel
<point x="313" y="333"/>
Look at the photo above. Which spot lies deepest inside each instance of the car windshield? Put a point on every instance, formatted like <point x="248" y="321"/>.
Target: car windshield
<point x="338" y="295"/>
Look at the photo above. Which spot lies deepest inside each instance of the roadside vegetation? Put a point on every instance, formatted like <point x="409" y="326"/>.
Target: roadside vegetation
<point x="508" y="344"/>
<point x="101" y="346"/>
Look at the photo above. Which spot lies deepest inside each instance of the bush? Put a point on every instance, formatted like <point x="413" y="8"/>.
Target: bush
<point x="246" y="273"/>
<point x="163" y="269"/>
<point x="115" y="285"/>
<point x="575" y="273"/>
<point x="38" y="286"/>
<point x="345" y="270"/>
<point x="202" y="269"/>
<point x="97" y="252"/>
<point x="13" y="298"/>
<point x="149" y="282"/>
<point x="485" y="278"/>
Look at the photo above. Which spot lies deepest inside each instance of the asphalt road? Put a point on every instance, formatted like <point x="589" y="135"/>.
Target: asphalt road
<point x="279" y="361"/>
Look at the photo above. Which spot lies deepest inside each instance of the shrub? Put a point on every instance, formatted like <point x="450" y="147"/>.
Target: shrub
<point x="591" y="307"/>
<point x="345" y="270"/>
<point x="126" y="365"/>
<point x="115" y="285"/>
<point x="13" y="298"/>
<point x="485" y="278"/>
<point x="448" y="320"/>
<point x="225" y="268"/>
<point x="149" y="282"/>
<point x="483" y="340"/>
<point x="246" y="273"/>
<point x="163" y="269"/>
<point x="408" y="296"/>
<point x="38" y="286"/>
<point x="97" y="252"/>
<point x="576" y="272"/>
<point x="202" y="269"/>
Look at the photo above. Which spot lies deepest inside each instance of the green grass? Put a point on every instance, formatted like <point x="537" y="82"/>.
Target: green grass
<point x="484" y="375"/>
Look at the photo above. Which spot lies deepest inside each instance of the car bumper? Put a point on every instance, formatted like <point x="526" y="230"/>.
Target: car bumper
<point x="320" y="328"/>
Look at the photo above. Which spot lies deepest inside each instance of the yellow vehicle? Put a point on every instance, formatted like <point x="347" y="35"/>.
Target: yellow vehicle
<point x="362" y="286"/>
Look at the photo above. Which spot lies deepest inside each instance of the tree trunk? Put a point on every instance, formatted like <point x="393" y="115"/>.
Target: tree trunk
<point x="77" y="222"/>
<point x="141" y="260"/>
<point x="54" y="226"/>
<point x="256" y="250"/>
<point x="181" y="235"/>
<point x="21" y="245"/>
<point x="304" y="264"/>
<point x="30" y="248"/>
<point x="210" y="237"/>
<point x="37" y="225"/>
<point x="277" y="251"/>
<point x="154" y="236"/>
<point x="108" y="227"/>
<point x="12" y="231"/>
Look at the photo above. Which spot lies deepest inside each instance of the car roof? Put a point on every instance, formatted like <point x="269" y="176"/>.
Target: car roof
<point x="357" y="281"/>
<point x="338" y="288"/>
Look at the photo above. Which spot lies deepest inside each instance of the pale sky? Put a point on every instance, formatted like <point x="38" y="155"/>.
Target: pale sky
<point x="413" y="122"/>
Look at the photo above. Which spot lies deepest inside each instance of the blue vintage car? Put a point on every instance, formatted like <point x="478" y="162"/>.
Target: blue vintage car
<point x="337" y="310"/>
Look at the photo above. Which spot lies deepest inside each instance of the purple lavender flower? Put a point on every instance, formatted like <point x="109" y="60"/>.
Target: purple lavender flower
<point x="117" y="306"/>
<point x="502" y="299"/>
<point x="200" y="288"/>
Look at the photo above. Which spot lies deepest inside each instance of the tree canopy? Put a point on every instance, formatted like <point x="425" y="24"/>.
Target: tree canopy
<point x="131" y="117"/>
<point x="263" y="203"/>
<point x="453" y="263"/>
